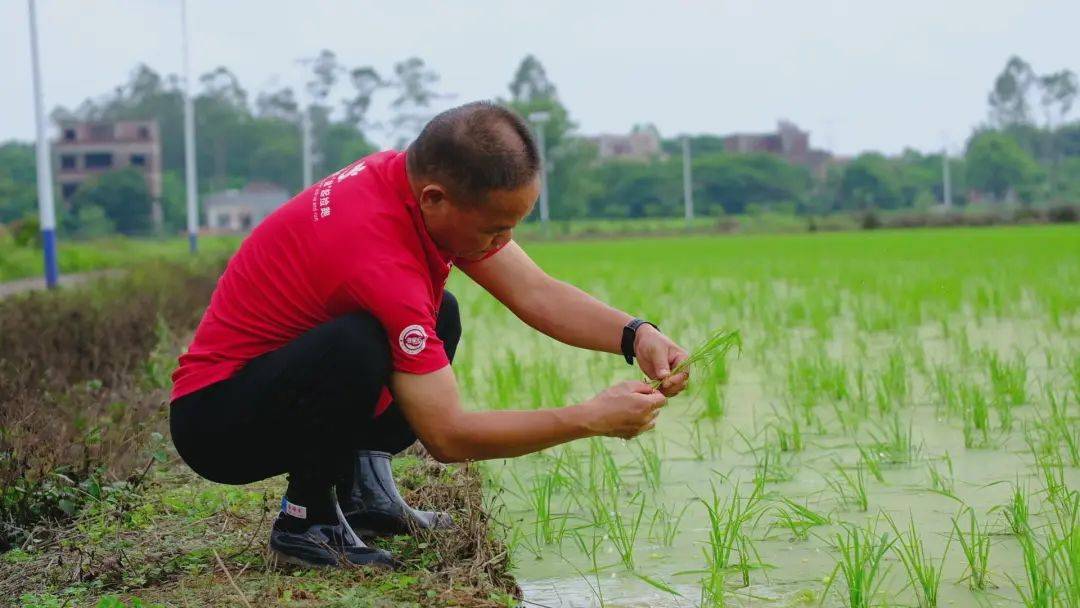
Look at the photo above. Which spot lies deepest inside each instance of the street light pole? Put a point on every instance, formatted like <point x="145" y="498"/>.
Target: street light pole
<point x="946" y="181"/>
<point x="688" y="187"/>
<point x="189" y="142"/>
<point x="46" y="210"/>
<point x="305" y="143"/>
<point x="539" y="119"/>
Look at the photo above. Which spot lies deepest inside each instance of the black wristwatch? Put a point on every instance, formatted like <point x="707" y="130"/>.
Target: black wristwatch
<point x="628" y="334"/>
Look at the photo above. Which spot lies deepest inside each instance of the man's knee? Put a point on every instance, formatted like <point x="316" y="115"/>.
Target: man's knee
<point x="362" y="339"/>
<point x="448" y="325"/>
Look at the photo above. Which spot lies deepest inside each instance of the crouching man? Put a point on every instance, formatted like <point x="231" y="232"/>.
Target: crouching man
<point x="328" y="342"/>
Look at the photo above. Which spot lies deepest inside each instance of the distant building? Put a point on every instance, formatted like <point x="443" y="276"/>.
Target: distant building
<point x="643" y="143"/>
<point x="788" y="141"/>
<point x="241" y="210"/>
<point x="85" y="150"/>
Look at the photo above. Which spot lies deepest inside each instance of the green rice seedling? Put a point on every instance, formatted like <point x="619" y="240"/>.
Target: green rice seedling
<point x="871" y="459"/>
<point x="1008" y="379"/>
<point x="861" y="563"/>
<point x="976" y="417"/>
<point x="1064" y="548"/>
<point x="893" y="441"/>
<point x="648" y="457"/>
<point x="947" y="400"/>
<point x="850" y="487"/>
<point x="975" y="543"/>
<point x="892" y="386"/>
<point x="787" y="428"/>
<point x="1038" y="590"/>
<point x="1017" y="512"/>
<point x="1061" y="429"/>
<point x="549" y="527"/>
<point x="622" y="530"/>
<point x="924" y="572"/>
<point x="591" y="549"/>
<point x="1053" y="475"/>
<point x="703" y="439"/>
<point x="799" y="518"/>
<point x="942" y="481"/>
<point x="1074" y="373"/>
<point x="705" y="355"/>
<point x="712" y="396"/>
<point x="664" y="525"/>
<point x="727" y="517"/>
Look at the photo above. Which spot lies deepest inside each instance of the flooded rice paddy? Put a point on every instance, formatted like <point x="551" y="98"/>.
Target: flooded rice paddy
<point x="900" y="428"/>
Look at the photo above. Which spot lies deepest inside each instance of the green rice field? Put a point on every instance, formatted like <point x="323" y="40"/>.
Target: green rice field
<point x="901" y="426"/>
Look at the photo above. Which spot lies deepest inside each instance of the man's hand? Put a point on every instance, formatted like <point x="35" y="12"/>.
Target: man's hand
<point x="625" y="410"/>
<point x="657" y="355"/>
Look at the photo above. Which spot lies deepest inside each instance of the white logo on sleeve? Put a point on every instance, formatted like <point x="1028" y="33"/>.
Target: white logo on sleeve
<point x="412" y="339"/>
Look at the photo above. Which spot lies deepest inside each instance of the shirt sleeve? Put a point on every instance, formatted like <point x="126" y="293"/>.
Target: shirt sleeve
<point x="399" y="296"/>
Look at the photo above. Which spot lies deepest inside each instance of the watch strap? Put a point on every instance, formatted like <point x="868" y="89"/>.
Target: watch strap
<point x="629" y="334"/>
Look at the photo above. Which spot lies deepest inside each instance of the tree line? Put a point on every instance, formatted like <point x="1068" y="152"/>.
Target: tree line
<point x="1028" y="151"/>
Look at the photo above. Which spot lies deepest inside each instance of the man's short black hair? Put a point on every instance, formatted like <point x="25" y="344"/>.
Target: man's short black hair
<point x="474" y="149"/>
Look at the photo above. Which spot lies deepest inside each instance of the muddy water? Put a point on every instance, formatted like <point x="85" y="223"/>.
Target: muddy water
<point x="793" y="571"/>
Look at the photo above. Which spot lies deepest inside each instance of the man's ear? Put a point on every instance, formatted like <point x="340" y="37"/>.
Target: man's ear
<point x="432" y="195"/>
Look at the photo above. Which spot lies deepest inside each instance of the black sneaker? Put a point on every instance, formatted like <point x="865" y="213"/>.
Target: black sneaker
<point x="298" y="542"/>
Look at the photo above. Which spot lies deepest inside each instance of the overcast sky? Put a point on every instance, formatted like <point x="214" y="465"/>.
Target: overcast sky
<point x="859" y="74"/>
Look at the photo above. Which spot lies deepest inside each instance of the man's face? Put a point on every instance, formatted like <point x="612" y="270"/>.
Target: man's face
<point x="471" y="230"/>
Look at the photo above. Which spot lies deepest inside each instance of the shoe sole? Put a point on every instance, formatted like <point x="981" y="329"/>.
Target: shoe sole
<point x="299" y="561"/>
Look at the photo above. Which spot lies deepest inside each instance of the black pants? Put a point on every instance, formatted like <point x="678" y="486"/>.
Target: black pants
<point x="302" y="409"/>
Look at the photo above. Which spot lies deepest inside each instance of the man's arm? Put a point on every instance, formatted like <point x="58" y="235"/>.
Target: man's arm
<point x="570" y="315"/>
<point x="433" y="409"/>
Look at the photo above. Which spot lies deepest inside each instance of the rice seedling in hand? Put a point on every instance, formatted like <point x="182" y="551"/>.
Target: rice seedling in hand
<point x="705" y="355"/>
<point x="923" y="573"/>
<point x="861" y="563"/>
<point x="975" y="543"/>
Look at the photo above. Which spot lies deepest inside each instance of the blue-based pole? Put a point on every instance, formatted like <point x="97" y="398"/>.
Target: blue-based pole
<point x="46" y="210"/>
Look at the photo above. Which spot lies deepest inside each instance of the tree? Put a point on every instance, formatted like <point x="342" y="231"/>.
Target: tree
<point x="997" y="165"/>
<point x="869" y="182"/>
<point x="1009" y="98"/>
<point x="414" y="83"/>
<point x="531" y="82"/>
<point x="18" y="181"/>
<point x="731" y="182"/>
<point x="124" y="197"/>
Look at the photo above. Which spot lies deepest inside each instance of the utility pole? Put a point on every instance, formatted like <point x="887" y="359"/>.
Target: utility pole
<point x="46" y="210"/>
<point x="305" y="143"/>
<point x="539" y="119"/>
<point x="687" y="182"/>
<point x="946" y="181"/>
<point x="191" y="177"/>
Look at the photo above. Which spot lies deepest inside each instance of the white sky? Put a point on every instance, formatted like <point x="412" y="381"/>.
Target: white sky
<point x="869" y="74"/>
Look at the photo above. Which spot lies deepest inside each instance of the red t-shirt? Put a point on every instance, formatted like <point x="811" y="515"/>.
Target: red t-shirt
<point x="353" y="241"/>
